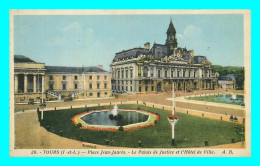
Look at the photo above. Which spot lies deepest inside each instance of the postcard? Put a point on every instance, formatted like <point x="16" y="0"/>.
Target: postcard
<point x="135" y="83"/>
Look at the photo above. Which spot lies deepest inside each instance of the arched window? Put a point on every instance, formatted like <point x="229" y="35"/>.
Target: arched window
<point x="145" y="71"/>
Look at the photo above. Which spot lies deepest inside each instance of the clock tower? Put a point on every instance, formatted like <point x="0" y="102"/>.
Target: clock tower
<point x="171" y="41"/>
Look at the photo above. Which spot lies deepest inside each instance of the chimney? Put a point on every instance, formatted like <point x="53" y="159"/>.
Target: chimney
<point x="147" y="46"/>
<point x="100" y="66"/>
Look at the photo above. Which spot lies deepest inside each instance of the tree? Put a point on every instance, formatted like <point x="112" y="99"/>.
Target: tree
<point x="239" y="73"/>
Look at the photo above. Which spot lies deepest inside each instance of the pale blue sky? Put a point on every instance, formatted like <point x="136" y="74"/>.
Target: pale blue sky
<point x="94" y="40"/>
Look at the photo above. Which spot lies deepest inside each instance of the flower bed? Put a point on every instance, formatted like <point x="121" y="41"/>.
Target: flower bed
<point x="171" y="116"/>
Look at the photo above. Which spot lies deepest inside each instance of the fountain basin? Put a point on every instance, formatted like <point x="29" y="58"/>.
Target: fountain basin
<point x="131" y="119"/>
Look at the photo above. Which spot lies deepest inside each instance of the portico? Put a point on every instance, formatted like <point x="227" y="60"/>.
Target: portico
<point x="29" y="78"/>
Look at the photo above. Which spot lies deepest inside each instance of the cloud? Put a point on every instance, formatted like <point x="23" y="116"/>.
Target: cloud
<point x="190" y="32"/>
<point x="193" y="38"/>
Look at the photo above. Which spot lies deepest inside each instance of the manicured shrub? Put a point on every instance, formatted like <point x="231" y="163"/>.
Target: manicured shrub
<point x="79" y="125"/>
<point x="48" y="128"/>
<point x="81" y="138"/>
<point x="139" y="143"/>
<point x="61" y="133"/>
<point x="206" y="143"/>
<point x="107" y="142"/>
<point x="121" y="128"/>
<point x="155" y="122"/>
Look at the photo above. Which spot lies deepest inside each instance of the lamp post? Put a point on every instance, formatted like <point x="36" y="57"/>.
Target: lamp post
<point x="173" y="118"/>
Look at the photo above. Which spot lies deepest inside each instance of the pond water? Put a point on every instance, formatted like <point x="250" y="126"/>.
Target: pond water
<point x="239" y="99"/>
<point x="126" y="118"/>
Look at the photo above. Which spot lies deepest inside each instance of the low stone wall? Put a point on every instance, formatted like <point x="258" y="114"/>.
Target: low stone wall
<point x="24" y="98"/>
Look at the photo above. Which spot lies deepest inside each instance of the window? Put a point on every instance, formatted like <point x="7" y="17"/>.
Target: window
<point x="64" y="77"/>
<point x="105" y="77"/>
<point x="75" y="86"/>
<point x="165" y="73"/>
<point x="151" y="88"/>
<point x="51" y="77"/>
<point x="131" y="73"/>
<point x="122" y="74"/>
<point x="126" y="73"/>
<point x="76" y="77"/>
<point x="105" y="93"/>
<point x="183" y="73"/>
<point x="105" y="85"/>
<point x="178" y="74"/>
<point x="122" y="88"/>
<point x="118" y="74"/>
<point x="98" y="77"/>
<point x="90" y="86"/>
<point x="140" y="82"/>
<point x="146" y="88"/>
<point x="130" y="82"/>
<point x="194" y="74"/>
<point x="159" y="74"/>
<point x="98" y="85"/>
<point x="172" y="73"/>
<point x="140" y="89"/>
<point x="131" y="89"/>
<point x="189" y="74"/>
<point x="90" y="77"/>
<point x="126" y="88"/>
<point x="90" y="94"/>
<point x="64" y="86"/>
<point x="145" y="71"/>
<point x="51" y="86"/>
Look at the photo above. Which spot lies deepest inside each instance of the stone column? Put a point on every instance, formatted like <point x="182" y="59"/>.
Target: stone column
<point x="154" y="72"/>
<point x="43" y="83"/>
<point x="149" y="72"/>
<point x="16" y="83"/>
<point x="34" y="84"/>
<point x="25" y="83"/>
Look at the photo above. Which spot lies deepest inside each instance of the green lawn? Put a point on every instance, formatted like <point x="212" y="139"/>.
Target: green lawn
<point x="191" y="131"/>
<point x="213" y="99"/>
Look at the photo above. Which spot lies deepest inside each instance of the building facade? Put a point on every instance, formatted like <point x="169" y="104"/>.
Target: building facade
<point x="155" y="69"/>
<point x="227" y="82"/>
<point x="77" y="82"/>
<point x="58" y="83"/>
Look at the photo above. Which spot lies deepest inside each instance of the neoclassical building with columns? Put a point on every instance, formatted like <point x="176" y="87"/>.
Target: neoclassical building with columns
<point x="29" y="78"/>
<point x="33" y="80"/>
<point x="155" y="69"/>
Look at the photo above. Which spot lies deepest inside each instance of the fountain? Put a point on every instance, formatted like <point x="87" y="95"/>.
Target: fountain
<point x="114" y="115"/>
<point x="234" y="97"/>
<point x="115" y="110"/>
<point x="115" y="119"/>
